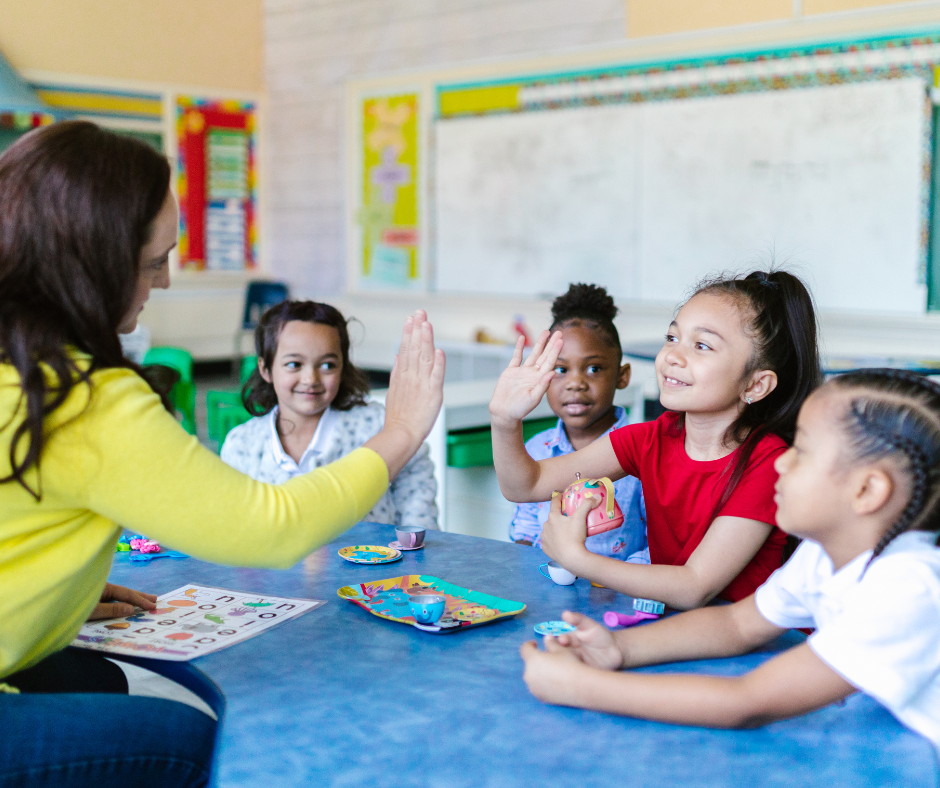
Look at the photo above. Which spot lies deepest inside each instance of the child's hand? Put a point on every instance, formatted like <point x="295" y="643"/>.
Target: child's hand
<point x="563" y="537"/>
<point x="523" y="384"/>
<point x="119" y="601"/>
<point x="548" y="674"/>
<point x="591" y="642"/>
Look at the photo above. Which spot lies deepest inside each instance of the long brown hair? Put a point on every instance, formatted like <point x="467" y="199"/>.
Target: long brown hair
<point x="76" y="208"/>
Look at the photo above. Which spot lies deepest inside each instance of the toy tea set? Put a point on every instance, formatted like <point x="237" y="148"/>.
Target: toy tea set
<point x="606" y="516"/>
<point x="434" y="605"/>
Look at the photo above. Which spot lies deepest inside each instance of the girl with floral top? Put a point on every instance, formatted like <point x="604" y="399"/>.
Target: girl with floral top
<point x="310" y="407"/>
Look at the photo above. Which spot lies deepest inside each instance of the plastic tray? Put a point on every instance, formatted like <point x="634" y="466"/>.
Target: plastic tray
<point x="465" y="608"/>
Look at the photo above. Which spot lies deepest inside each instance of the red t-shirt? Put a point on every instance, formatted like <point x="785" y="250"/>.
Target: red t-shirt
<point x="682" y="493"/>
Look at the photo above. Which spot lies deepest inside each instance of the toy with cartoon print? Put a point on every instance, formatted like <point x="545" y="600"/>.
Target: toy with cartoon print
<point x="605" y="516"/>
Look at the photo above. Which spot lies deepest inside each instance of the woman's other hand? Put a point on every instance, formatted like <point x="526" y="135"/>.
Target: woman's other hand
<point x="523" y="383"/>
<point x="117" y="601"/>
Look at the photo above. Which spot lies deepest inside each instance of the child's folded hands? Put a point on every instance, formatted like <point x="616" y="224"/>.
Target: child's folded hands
<point x="551" y="674"/>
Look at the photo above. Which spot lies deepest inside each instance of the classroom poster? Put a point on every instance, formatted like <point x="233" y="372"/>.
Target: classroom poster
<point x="389" y="213"/>
<point x="216" y="185"/>
<point x="191" y="621"/>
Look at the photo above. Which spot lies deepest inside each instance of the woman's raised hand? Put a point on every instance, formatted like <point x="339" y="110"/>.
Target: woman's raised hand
<point x="523" y="383"/>
<point x="415" y="395"/>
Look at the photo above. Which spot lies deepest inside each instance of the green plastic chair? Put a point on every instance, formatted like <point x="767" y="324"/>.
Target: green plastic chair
<point x="183" y="393"/>
<point x="173" y="357"/>
<point x="224" y="411"/>
<point x="249" y="364"/>
<point x="229" y="419"/>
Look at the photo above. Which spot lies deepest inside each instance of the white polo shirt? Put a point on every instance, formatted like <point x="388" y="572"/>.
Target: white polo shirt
<point x="319" y="444"/>
<point x="879" y="630"/>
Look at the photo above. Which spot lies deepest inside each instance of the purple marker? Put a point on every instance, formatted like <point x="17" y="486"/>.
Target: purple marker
<point x="614" y="619"/>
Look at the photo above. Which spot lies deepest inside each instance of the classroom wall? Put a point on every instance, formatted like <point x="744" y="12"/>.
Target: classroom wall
<point x="201" y="43"/>
<point x="312" y="48"/>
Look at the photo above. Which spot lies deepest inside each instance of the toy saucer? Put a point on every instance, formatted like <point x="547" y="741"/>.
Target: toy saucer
<point x="396" y="545"/>
<point x="554" y="628"/>
<point x="369" y="554"/>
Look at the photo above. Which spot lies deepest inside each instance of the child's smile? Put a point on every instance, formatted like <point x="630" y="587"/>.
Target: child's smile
<point x="702" y="363"/>
<point x="306" y="371"/>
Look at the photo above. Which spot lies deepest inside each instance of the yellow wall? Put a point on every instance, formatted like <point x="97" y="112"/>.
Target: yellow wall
<point x="659" y="17"/>
<point x="200" y="43"/>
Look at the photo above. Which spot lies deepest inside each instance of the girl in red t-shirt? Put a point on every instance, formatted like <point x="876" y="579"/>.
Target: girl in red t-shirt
<point x="739" y="359"/>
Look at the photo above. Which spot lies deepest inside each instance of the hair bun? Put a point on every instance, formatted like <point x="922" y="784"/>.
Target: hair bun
<point x="591" y="302"/>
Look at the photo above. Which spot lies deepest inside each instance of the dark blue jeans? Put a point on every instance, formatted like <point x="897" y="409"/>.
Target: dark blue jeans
<point x="73" y="725"/>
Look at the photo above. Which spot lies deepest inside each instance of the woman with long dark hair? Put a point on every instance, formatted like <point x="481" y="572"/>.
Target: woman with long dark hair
<point x="87" y="222"/>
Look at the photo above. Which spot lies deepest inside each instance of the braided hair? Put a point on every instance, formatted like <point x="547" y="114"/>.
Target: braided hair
<point x="897" y="412"/>
<point x="590" y="306"/>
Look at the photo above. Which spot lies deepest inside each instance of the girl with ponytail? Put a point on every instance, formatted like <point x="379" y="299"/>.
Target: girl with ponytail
<point x="861" y="487"/>
<point x="738" y="361"/>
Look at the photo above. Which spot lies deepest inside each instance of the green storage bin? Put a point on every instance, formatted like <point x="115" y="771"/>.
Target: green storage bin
<point x="474" y="447"/>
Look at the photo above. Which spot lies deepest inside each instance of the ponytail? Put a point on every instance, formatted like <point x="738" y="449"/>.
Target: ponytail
<point x="782" y="323"/>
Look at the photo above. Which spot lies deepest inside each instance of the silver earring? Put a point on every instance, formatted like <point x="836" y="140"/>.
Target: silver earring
<point x="748" y="400"/>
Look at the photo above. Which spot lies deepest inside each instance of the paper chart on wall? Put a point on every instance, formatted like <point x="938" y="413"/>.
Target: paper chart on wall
<point x="190" y="622"/>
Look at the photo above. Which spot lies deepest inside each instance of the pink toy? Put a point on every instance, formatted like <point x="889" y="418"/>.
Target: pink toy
<point x="145" y="545"/>
<point x="614" y="619"/>
<point x="604" y="517"/>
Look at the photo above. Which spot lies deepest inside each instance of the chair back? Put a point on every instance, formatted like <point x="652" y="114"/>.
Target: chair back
<point x="173" y="357"/>
<point x="259" y="297"/>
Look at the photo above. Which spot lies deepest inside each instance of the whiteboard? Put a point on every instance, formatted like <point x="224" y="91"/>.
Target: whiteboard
<point x="648" y="198"/>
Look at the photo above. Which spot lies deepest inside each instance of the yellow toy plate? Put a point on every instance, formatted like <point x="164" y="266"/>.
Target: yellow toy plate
<point x="369" y="554"/>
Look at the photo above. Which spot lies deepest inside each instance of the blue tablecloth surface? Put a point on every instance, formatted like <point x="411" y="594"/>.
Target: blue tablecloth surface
<point x="339" y="697"/>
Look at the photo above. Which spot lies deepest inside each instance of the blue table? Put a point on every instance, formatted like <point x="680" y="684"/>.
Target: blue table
<point x="339" y="697"/>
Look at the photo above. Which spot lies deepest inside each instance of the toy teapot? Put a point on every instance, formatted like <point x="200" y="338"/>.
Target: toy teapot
<point x="604" y="517"/>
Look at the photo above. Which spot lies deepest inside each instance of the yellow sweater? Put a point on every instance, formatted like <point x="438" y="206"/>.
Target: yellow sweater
<point x="116" y="456"/>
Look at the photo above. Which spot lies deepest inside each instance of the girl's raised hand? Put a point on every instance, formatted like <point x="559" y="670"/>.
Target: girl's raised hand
<point x="523" y="383"/>
<point x="415" y="395"/>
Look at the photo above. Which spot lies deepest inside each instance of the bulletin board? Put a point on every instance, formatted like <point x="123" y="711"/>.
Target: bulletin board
<point x="388" y="216"/>
<point x="217" y="184"/>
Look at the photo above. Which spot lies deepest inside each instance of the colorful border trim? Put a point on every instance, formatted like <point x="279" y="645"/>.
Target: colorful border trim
<point x="779" y="69"/>
<point x="110" y="103"/>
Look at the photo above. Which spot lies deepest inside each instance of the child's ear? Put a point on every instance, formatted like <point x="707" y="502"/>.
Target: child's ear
<point x="623" y="378"/>
<point x="263" y="370"/>
<point x="874" y="489"/>
<point x="763" y="382"/>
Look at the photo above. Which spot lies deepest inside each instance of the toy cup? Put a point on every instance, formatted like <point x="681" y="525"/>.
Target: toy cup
<point x="427" y="608"/>
<point x="410" y="536"/>
<point x="558" y="573"/>
<point x="604" y="517"/>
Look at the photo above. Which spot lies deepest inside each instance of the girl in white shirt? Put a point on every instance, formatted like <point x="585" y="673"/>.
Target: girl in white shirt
<point x="310" y="409"/>
<point x="861" y="487"/>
